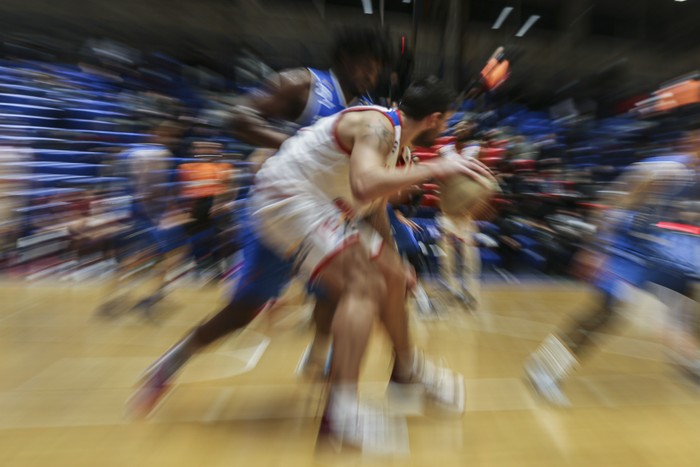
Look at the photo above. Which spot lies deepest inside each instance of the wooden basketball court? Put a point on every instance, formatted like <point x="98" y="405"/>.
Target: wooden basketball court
<point x="65" y="375"/>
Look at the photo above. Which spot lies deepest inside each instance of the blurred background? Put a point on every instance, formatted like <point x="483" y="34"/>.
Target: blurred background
<point x="557" y="98"/>
<point x="582" y="98"/>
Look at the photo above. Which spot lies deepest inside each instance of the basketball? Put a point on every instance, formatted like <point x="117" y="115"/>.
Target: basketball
<point x="460" y="194"/>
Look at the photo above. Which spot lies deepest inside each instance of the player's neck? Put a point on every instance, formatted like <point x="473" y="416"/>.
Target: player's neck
<point x="409" y="130"/>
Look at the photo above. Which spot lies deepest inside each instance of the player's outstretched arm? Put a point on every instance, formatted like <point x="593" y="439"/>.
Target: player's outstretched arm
<point x="371" y="137"/>
<point x="283" y="97"/>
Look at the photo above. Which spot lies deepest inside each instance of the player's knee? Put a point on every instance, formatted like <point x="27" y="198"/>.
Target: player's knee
<point x="366" y="281"/>
<point x="393" y="271"/>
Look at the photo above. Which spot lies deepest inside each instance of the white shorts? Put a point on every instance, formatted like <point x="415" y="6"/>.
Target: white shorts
<point x="309" y="230"/>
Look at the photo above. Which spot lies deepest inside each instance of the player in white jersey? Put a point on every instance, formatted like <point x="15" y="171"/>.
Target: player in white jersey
<point x="301" y="96"/>
<point x="314" y="203"/>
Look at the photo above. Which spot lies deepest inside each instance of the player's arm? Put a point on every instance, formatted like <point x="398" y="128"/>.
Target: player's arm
<point x="372" y="140"/>
<point x="283" y="97"/>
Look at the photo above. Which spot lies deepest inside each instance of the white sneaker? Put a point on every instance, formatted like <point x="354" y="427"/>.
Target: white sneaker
<point x="155" y="381"/>
<point x="372" y="430"/>
<point x="441" y="386"/>
<point x="547" y="367"/>
<point x="544" y="384"/>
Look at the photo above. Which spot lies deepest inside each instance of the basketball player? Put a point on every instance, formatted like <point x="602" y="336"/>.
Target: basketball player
<point x="156" y="230"/>
<point x="301" y="95"/>
<point x="311" y="204"/>
<point x="629" y="252"/>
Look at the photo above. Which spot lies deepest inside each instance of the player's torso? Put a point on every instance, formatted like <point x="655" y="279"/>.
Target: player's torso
<point x="314" y="163"/>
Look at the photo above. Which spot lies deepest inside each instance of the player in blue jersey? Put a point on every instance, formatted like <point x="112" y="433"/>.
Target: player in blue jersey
<point x="302" y="96"/>
<point x="629" y="249"/>
<point x="155" y="230"/>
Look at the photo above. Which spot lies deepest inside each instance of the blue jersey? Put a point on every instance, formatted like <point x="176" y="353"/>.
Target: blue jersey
<point x="325" y="98"/>
<point x="638" y="252"/>
<point x="157" y="160"/>
<point x="134" y="160"/>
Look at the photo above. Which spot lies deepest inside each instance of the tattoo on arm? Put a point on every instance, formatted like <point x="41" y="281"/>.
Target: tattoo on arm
<point x="378" y="136"/>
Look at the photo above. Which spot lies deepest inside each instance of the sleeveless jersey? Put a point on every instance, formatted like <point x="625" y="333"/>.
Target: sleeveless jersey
<point x="325" y="98"/>
<point x="314" y="163"/>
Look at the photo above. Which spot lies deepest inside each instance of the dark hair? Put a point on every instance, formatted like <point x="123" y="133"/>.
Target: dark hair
<point x="361" y="43"/>
<point x="427" y="96"/>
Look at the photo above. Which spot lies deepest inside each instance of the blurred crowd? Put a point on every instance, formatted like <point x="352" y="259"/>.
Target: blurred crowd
<point x="65" y="135"/>
<point x="65" y="131"/>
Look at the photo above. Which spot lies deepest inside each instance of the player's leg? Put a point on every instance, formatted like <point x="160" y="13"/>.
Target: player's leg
<point x="172" y="243"/>
<point x="319" y="353"/>
<point x="258" y="277"/>
<point x="558" y="355"/>
<point x="411" y="367"/>
<point x="134" y="251"/>
<point x="448" y="263"/>
<point x="348" y="276"/>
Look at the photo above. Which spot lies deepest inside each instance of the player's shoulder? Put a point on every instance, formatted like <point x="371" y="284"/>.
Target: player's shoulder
<point x="290" y="88"/>
<point x="369" y="115"/>
<point x="294" y="78"/>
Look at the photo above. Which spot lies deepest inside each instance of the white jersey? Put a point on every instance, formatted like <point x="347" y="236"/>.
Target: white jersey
<point x="314" y="163"/>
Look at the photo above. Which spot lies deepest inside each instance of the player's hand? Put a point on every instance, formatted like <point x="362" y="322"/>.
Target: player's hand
<point x="472" y="168"/>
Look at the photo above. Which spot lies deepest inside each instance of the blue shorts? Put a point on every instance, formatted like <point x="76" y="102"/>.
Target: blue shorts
<point x="675" y="257"/>
<point x="619" y="271"/>
<point x="146" y="234"/>
<point x="259" y="275"/>
<point x="638" y="263"/>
